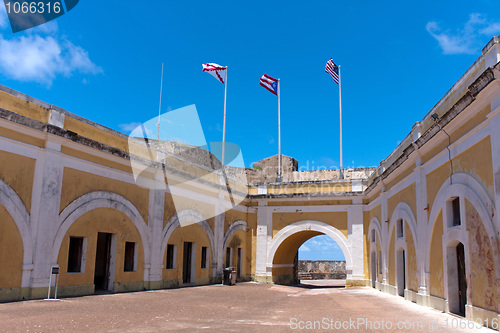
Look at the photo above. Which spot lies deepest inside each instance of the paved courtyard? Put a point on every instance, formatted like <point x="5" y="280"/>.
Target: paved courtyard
<point x="246" y="307"/>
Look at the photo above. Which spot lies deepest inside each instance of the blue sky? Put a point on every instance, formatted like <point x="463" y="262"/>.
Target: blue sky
<point x="102" y="61"/>
<point x="321" y="247"/>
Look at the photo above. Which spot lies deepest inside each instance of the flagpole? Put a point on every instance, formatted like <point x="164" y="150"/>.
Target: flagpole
<point x="279" y="134"/>
<point x="341" y="175"/>
<point x="159" y="109"/>
<point x="224" y="123"/>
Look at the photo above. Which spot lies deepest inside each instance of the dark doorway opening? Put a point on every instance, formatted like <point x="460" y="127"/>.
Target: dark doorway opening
<point x="240" y="262"/>
<point x="187" y="260"/>
<point x="401" y="282"/>
<point x="102" y="261"/>
<point x="462" y="282"/>
<point x="374" y="269"/>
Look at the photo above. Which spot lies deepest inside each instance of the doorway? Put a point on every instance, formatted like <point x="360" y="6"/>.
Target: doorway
<point x="103" y="263"/>
<point x="374" y="269"/>
<point x="239" y="268"/>
<point x="457" y="282"/>
<point x="187" y="262"/>
<point x="401" y="267"/>
<point x="462" y="282"/>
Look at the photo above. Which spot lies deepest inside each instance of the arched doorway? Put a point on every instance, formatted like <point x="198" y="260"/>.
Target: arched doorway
<point x="285" y="244"/>
<point x="320" y="259"/>
<point x="457" y="283"/>
<point x="401" y="272"/>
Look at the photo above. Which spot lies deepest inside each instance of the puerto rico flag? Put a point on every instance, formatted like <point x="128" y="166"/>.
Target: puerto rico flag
<point x="217" y="71"/>
<point x="269" y="83"/>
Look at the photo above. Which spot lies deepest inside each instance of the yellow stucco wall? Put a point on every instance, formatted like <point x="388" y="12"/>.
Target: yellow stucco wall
<point x="411" y="260"/>
<point x="406" y="195"/>
<point x="233" y="215"/>
<point x="174" y="204"/>
<point x="252" y="226"/>
<point x="88" y="225"/>
<point x="436" y="287"/>
<point x="337" y="220"/>
<point x="402" y="174"/>
<point x="475" y="161"/>
<point x="94" y="133"/>
<point x="22" y="137"/>
<point x="288" y="249"/>
<point x="18" y="172"/>
<point x="309" y="203"/>
<point x="11" y="251"/>
<point x="77" y="183"/>
<point x="99" y="160"/>
<point x="23" y="107"/>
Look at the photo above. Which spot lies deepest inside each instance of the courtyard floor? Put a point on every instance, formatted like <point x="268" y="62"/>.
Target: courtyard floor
<point x="246" y="307"/>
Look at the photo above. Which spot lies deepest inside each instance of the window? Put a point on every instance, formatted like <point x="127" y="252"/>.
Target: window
<point x="75" y="255"/>
<point x="170" y="256"/>
<point x="130" y="261"/>
<point x="373" y="236"/>
<point x="204" y="257"/>
<point x="455" y="207"/>
<point x="400" y="228"/>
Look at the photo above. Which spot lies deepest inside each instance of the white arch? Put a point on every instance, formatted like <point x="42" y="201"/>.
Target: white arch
<point x="235" y="226"/>
<point x="16" y="209"/>
<point x="375" y="225"/>
<point x="94" y="200"/>
<point x="403" y="211"/>
<point x="309" y="225"/>
<point x="186" y="215"/>
<point x="464" y="186"/>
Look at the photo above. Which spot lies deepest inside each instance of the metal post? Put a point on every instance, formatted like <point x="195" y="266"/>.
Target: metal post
<point x="224" y="124"/>
<point x="279" y="134"/>
<point x="340" y="116"/>
<point x="50" y="283"/>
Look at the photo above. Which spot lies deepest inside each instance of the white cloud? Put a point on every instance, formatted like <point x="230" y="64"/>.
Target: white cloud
<point x="320" y="248"/>
<point x="42" y="58"/>
<point x="467" y="40"/>
<point x="40" y="54"/>
<point x="304" y="248"/>
<point x="129" y="127"/>
<point x="491" y="30"/>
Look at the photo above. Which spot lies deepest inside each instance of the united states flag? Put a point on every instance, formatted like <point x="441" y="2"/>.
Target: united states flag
<point x="217" y="71"/>
<point x="333" y="70"/>
<point x="270" y="83"/>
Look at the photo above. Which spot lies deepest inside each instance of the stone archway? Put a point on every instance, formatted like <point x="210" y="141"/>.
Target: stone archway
<point x="296" y="234"/>
<point x="175" y="221"/>
<point x="101" y="199"/>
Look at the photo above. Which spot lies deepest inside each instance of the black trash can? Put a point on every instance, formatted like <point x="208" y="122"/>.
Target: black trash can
<point x="226" y="273"/>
